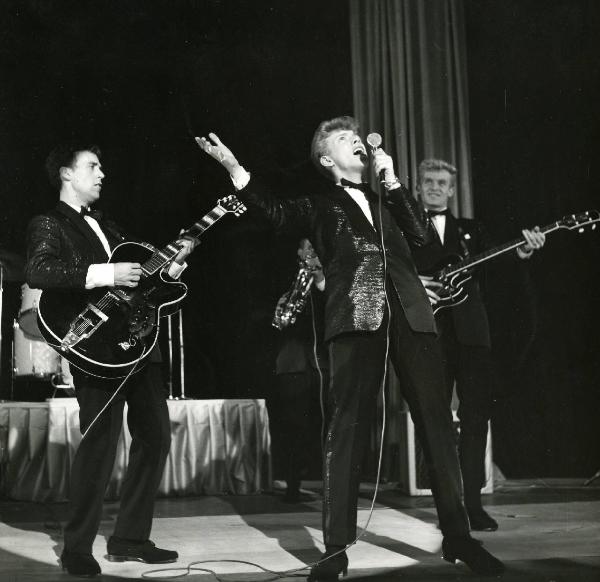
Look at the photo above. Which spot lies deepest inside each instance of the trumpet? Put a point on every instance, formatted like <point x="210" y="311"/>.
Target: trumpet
<point x="293" y="301"/>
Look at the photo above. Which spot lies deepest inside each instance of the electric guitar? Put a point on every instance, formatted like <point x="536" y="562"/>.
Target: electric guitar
<point x="456" y="272"/>
<point x="110" y="333"/>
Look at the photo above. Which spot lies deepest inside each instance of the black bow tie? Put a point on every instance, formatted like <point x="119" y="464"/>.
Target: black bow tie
<point x="87" y="211"/>
<point x="438" y="212"/>
<point x="363" y="186"/>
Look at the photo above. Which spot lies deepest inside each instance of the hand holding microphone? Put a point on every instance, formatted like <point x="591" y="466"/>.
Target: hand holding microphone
<point x="382" y="162"/>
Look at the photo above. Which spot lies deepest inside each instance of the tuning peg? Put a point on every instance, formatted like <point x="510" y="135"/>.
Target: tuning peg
<point x="581" y="229"/>
<point x="594" y="227"/>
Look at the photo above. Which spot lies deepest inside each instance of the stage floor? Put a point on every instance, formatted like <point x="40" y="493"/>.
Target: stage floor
<point x="549" y="531"/>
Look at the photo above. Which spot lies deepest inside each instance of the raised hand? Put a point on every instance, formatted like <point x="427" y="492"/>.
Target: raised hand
<point x="127" y="274"/>
<point x="217" y="150"/>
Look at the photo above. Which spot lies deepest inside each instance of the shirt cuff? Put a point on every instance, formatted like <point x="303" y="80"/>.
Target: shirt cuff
<point x="524" y="254"/>
<point x="240" y="179"/>
<point x="100" y="275"/>
<point x="320" y="285"/>
<point x="174" y="270"/>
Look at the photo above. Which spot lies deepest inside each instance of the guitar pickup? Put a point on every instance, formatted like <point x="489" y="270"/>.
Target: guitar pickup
<point x="85" y="324"/>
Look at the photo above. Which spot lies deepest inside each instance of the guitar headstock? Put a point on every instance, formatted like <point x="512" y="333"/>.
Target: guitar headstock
<point x="232" y="204"/>
<point x="580" y="221"/>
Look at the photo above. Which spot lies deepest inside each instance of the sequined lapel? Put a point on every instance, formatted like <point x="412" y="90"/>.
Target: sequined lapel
<point x="360" y="223"/>
<point x="79" y="223"/>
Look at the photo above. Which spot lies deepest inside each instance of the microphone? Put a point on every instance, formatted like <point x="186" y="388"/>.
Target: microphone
<point x="374" y="140"/>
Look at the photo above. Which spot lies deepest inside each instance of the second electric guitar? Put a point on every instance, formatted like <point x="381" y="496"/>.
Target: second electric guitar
<point x="456" y="272"/>
<point x="110" y="333"/>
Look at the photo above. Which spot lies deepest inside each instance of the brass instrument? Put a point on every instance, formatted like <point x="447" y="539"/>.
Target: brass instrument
<point x="293" y="301"/>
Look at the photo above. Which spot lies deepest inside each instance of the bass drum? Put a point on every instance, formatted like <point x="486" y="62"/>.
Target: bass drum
<point x="30" y="299"/>
<point x="33" y="358"/>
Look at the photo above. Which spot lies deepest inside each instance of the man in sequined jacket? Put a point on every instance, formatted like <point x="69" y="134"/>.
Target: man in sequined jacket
<point x="373" y="294"/>
<point x="68" y="248"/>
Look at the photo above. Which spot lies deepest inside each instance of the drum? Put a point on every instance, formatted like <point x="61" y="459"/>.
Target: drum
<point x="30" y="299"/>
<point x="33" y="357"/>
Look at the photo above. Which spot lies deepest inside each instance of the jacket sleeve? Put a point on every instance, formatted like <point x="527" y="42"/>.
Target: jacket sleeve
<point x="47" y="266"/>
<point x="280" y="212"/>
<point x="410" y="217"/>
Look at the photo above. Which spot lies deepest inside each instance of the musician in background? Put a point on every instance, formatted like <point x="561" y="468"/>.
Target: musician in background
<point x="464" y="329"/>
<point x="68" y="248"/>
<point x="302" y="378"/>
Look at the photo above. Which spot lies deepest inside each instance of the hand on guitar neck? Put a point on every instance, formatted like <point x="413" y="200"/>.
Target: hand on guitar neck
<point x="535" y="240"/>
<point x="431" y="286"/>
<point x="187" y="246"/>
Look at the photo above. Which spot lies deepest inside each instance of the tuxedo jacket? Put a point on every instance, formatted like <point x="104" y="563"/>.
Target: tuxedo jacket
<point x="61" y="246"/>
<point x="462" y="237"/>
<point x="352" y="254"/>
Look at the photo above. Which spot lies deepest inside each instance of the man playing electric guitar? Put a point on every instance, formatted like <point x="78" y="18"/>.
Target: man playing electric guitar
<point x="464" y="330"/>
<point x="68" y="249"/>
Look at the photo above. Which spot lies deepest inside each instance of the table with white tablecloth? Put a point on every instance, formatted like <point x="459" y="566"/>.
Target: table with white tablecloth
<point x="218" y="446"/>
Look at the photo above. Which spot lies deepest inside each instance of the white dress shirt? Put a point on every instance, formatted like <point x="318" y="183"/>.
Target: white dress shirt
<point x="103" y="274"/>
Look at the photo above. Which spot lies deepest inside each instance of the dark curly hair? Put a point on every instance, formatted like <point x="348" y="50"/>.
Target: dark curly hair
<point x="64" y="156"/>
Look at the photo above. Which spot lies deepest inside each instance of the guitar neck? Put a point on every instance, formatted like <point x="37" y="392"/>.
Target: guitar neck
<point x="495" y="252"/>
<point x="162" y="257"/>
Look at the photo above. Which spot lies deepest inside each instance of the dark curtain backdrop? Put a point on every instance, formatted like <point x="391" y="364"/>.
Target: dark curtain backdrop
<point x="409" y="73"/>
<point x="534" y="89"/>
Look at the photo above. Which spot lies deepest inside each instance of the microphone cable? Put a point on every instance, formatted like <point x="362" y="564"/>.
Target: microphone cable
<point x="277" y="575"/>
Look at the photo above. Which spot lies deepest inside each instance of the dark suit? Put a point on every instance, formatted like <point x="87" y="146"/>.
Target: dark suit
<point x="358" y="289"/>
<point x="61" y="247"/>
<point x="465" y="337"/>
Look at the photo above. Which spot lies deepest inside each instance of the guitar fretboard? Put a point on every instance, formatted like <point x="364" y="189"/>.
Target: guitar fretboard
<point x="160" y="258"/>
<point x="495" y="251"/>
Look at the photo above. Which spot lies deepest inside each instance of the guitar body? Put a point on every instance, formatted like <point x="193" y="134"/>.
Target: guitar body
<point x="124" y="340"/>
<point x="452" y="292"/>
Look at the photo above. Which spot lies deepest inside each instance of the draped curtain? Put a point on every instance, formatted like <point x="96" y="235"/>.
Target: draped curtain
<point x="410" y="84"/>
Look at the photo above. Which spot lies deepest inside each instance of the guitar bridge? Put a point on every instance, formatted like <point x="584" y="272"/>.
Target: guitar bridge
<point x="84" y="325"/>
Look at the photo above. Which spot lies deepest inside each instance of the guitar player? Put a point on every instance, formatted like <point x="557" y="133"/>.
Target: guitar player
<point x="68" y="249"/>
<point x="464" y="329"/>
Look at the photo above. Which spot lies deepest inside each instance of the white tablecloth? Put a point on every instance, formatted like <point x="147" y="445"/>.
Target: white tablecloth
<point x="218" y="446"/>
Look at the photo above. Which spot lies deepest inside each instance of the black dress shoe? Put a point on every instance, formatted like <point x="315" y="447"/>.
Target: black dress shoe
<point x="480" y="520"/>
<point x="329" y="568"/>
<point x="78" y="564"/>
<point x="122" y="550"/>
<point x="473" y="554"/>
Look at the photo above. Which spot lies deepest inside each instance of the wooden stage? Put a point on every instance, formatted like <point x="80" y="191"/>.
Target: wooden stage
<point x="549" y="531"/>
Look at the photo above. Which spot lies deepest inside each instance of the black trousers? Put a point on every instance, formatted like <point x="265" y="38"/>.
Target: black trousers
<point x="472" y="369"/>
<point x="297" y="425"/>
<point x="356" y="367"/>
<point x="148" y="422"/>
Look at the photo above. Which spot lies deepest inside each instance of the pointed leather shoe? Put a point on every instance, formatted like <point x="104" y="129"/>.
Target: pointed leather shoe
<point x="473" y="554"/>
<point x="122" y="550"/>
<point x="78" y="564"/>
<point x="329" y="568"/>
<point x="480" y="520"/>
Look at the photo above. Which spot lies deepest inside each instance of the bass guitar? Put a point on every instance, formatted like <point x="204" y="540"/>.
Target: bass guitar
<point x="457" y="271"/>
<point x="109" y="333"/>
